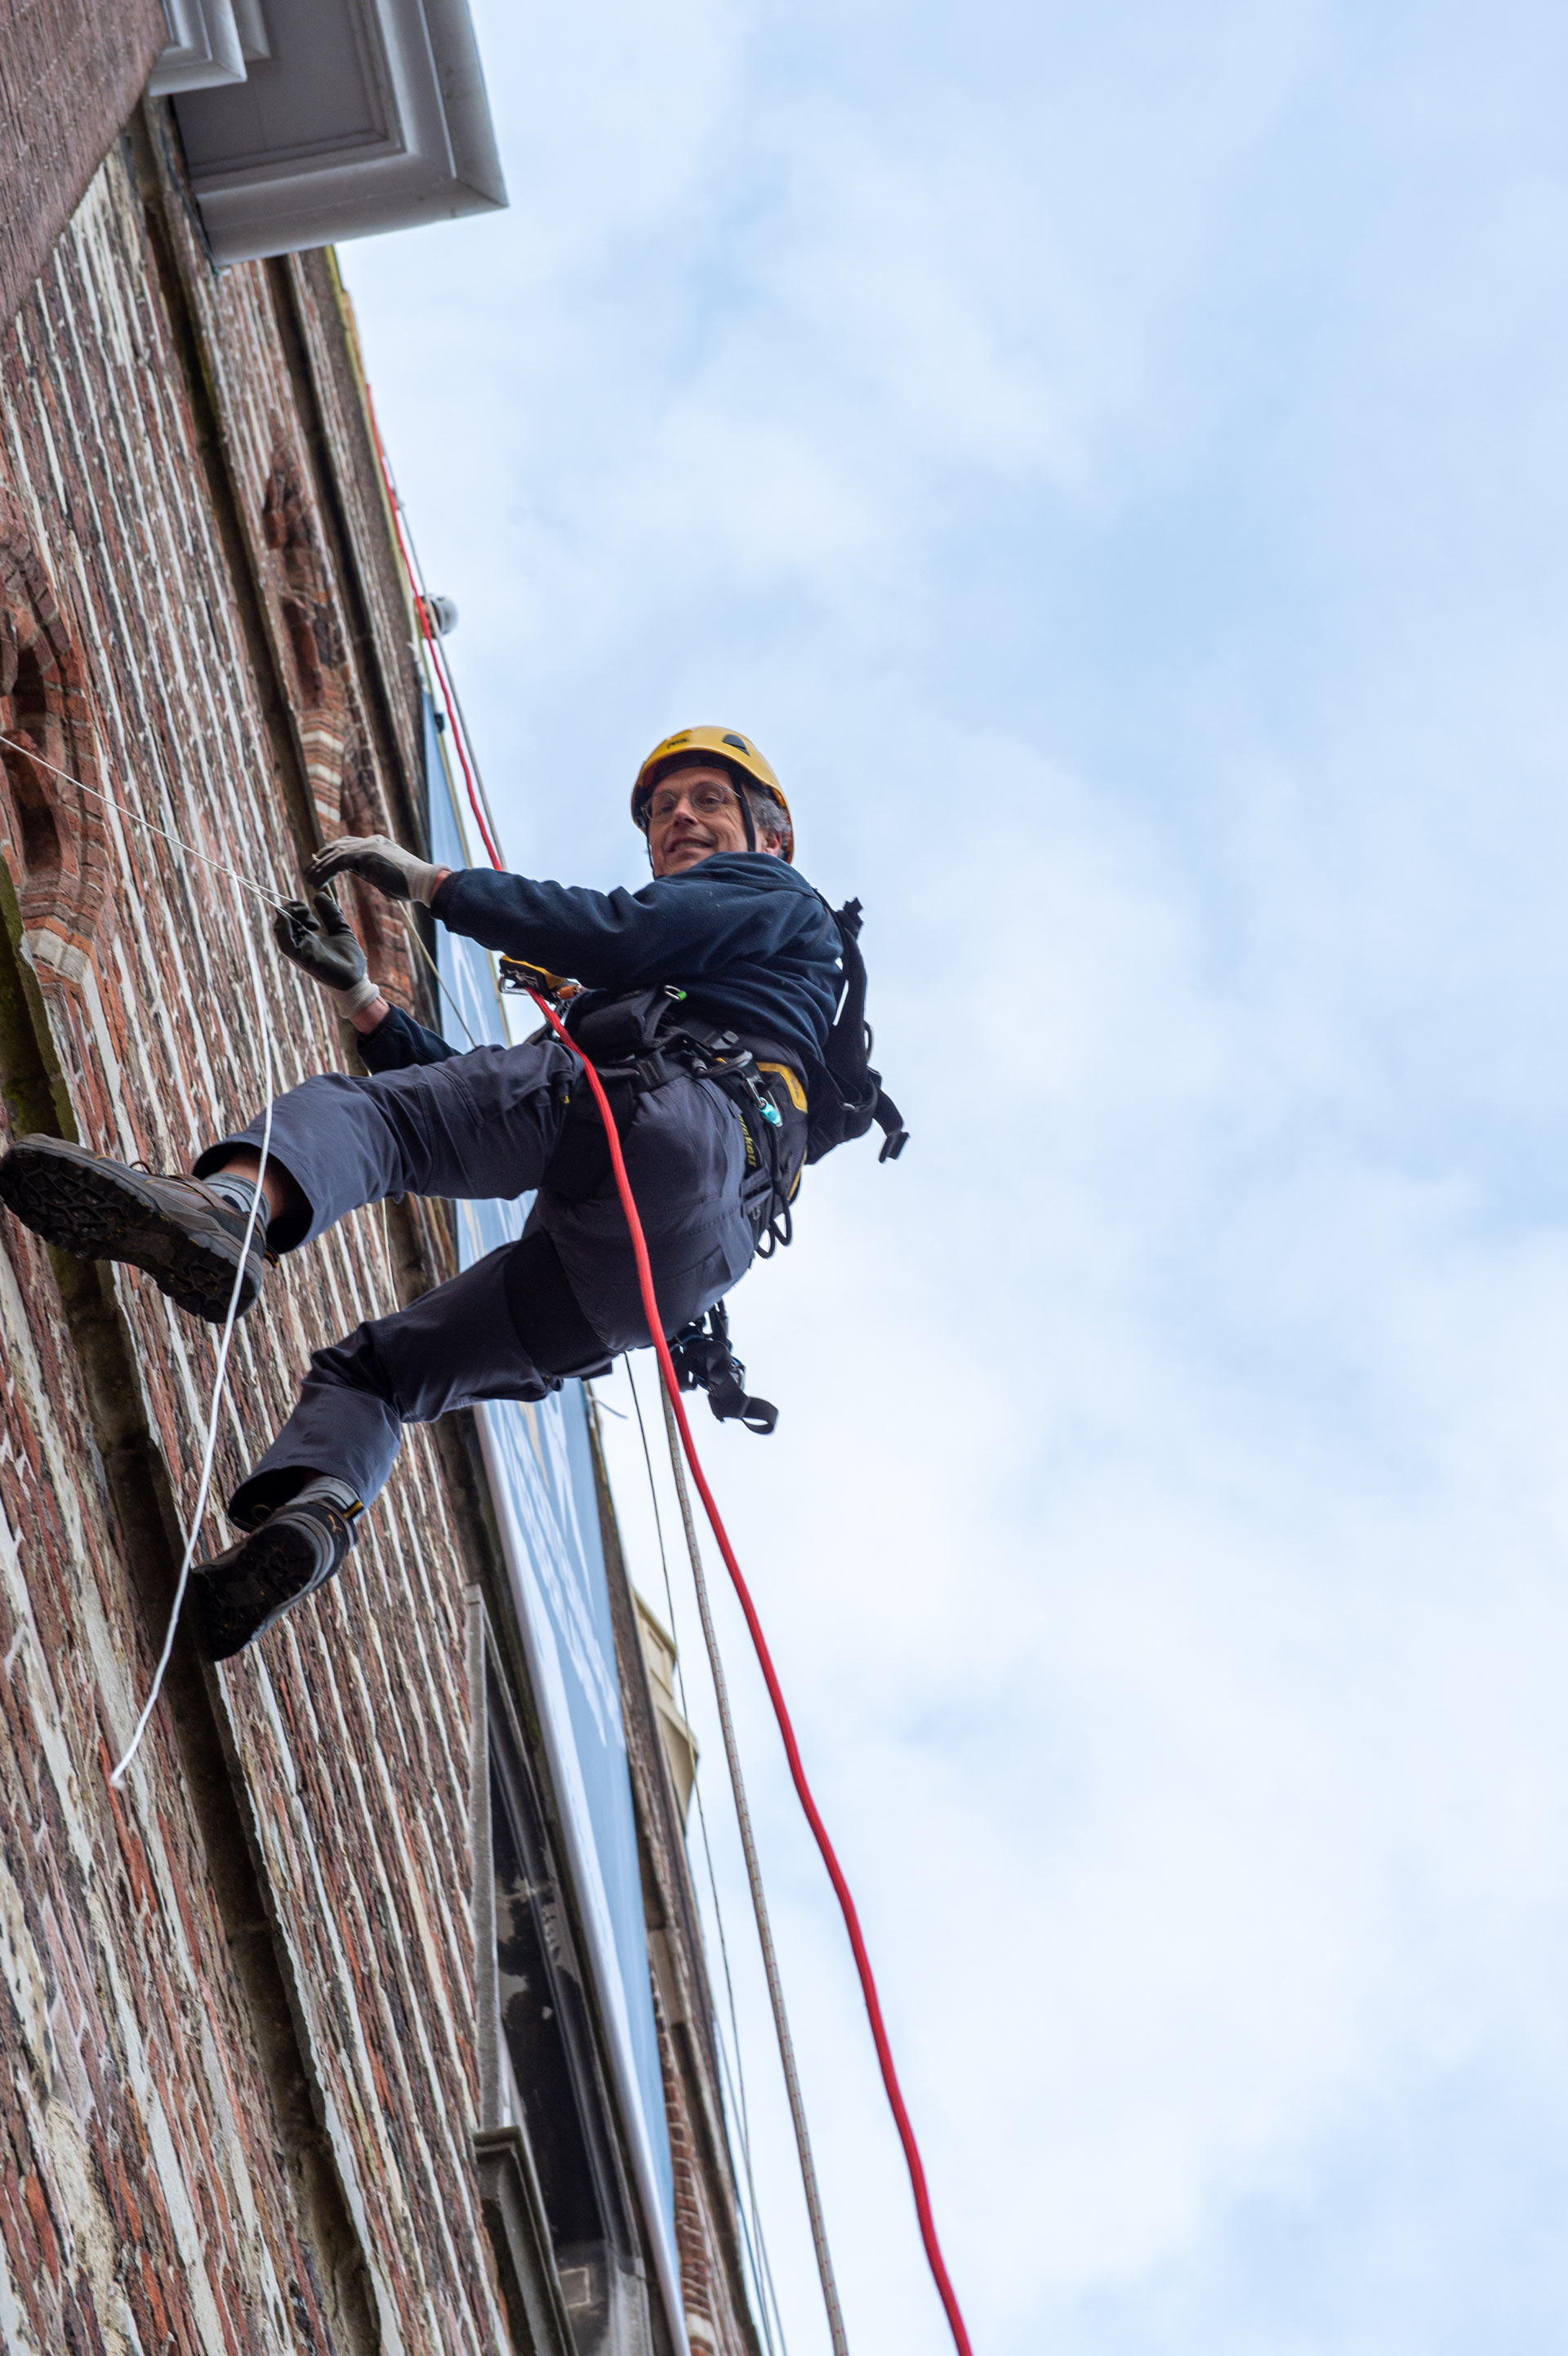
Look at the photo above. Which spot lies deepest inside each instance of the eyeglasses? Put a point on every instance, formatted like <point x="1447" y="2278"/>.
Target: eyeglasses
<point x="707" y="800"/>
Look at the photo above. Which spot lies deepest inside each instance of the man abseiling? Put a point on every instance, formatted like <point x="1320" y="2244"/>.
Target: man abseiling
<point x="708" y="1001"/>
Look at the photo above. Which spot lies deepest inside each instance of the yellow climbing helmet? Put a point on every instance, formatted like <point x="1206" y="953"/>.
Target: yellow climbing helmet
<point x="725" y="746"/>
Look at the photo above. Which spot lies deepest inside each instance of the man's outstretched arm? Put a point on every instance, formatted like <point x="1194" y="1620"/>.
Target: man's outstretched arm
<point x="690" y="924"/>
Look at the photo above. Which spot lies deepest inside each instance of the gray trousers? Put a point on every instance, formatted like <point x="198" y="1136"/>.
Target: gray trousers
<point x="479" y="1126"/>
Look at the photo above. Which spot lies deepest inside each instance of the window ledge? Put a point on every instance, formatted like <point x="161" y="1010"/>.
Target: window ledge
<point x="514" y="2216"/>
<point x="204" y="50"/>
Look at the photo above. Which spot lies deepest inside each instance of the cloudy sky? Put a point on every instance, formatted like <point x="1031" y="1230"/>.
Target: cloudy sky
<point x="1112" y="460"/>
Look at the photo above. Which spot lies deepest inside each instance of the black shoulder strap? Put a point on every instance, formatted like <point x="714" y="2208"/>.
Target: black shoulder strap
<point x="857" y="1096"/>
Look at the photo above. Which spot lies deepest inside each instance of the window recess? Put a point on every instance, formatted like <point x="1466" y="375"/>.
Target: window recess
<point x="555" y="2196"/>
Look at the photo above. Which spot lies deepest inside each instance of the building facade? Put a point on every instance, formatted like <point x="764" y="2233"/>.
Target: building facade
<point x="345" y="2025"/>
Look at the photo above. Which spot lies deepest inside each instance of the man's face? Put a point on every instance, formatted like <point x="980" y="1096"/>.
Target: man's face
<point x="692" y="814"/>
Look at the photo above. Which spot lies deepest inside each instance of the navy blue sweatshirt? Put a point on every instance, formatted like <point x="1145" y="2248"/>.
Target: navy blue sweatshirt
<point x="398" y="1041"/>
<point x="743" y="935"/>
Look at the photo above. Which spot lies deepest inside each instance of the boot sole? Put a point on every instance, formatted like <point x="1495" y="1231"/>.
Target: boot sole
<point x="274" y="1570"/>
<point x="98" y="1213"/>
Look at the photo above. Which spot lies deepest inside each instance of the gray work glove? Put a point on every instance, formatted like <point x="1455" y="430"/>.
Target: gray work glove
<point x="386" y="864"/>
<point x="323" y="947"/>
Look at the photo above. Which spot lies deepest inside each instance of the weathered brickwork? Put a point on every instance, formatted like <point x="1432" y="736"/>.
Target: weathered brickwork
<point x="237" y="1999"/>
<point x="148" y="2190"/>
<point x="69" y="73"/>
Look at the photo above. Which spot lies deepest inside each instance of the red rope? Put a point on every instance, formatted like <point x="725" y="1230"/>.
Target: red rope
<point x="428" y="635"/>
<point x="666" y="1367"/>
<point x="775" y="1695"/>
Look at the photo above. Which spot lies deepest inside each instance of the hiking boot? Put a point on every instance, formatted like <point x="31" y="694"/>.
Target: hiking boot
<point x="185" y="1235"/>
<point x="242" y="1593"/>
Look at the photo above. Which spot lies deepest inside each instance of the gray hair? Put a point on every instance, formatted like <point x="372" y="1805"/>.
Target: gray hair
<point x="770" y="821"/>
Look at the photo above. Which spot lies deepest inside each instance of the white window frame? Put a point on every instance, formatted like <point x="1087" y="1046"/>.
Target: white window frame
<point x="206" y="47"/>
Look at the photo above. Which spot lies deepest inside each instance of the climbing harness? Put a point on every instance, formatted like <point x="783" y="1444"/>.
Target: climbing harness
<point x="641" y="1040"/>
<point x="645" y="1040"/>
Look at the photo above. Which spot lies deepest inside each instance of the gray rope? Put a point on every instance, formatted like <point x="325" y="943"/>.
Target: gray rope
<point x="743" y="2118"/>
<point x="758" y="1901"/>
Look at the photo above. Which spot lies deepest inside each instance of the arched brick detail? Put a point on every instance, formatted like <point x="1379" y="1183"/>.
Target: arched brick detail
<point x="310" y="618"/>
<point x="342" y="775"/>
<point x="361" y="811"/>
<point x="55" y="837"/>
<point x="311" y="628"/>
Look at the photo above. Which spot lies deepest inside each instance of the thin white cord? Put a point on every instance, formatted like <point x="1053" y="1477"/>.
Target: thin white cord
<point x="407" y="915"/>
<point x="797" y="2100"/>
<point x="118" y="1776"/>
<point x="759" y="1902"/>
<point x="246" y="883"/>
<point x="386" y="1246"/>
<point x="738" y="2090"/>
<point x="763" y="2274"/>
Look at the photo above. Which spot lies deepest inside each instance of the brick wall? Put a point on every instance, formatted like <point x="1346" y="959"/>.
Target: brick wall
<point x="211" y="2144"/>
<point x="236" y="2000"/>
<point x="69" y="74"/>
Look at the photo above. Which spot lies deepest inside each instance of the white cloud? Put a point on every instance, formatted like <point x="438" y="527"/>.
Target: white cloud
<point x="1111" y="462"/>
